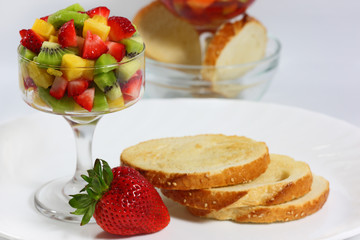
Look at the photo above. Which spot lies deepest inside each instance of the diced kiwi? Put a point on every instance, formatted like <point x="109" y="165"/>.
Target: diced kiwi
<point x="50" y="54"/>
<point x="65" y="104"/>
<point x="26" y="53"/>
<point x="107" y="83"/>
<point x="76" y="7"/>
<point x="134" y="45"/>
<point x="62" y="16"/>
<point x="100" y="101"/>
<point x="40" y="76"/>
<point x="126" y="70"/>
<point x="102" y="62"/>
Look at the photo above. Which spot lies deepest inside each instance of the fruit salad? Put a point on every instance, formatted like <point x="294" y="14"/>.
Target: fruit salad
<point x="76" y="62"/>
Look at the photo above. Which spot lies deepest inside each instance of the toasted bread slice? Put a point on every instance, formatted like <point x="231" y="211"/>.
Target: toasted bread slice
<point x="285" y="179"/>
<point x="292" y="210"/>
<point x="168" y="38"/>
<point x="197" y="162"/>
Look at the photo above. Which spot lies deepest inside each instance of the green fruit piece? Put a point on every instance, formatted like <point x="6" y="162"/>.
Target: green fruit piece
<point x="65" y="104"/>
<point x="134" y="45"/>
<point x="75" y="7"/>
<point x="50" y="54"/>
<point x="107" y="83"/>
<point x="100" y="101"/>
<point x="102" y="62"/>
<point x="26" y="53"/>
<point x="62" y="16"/>
<point x="40" y="76"/>
<point x="126" y="70"/>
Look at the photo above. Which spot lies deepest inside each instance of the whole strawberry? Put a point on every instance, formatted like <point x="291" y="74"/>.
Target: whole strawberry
<point x="121" y="200"/>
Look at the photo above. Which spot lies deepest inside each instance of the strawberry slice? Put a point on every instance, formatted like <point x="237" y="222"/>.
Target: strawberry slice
<point x="58" y="87"/>
<point x="67" y="34"/>
<point x="94" y="46"/>
<point x="131" y="88"/>
<point x="31" y="40"/>
<point x="86" y="99"/>
<point x="77" y="87"/>
<point x="117" y="50"/>
<point x="102" y="11"/>
<point x="121" y="28"/>
<point x="45" y="18"/>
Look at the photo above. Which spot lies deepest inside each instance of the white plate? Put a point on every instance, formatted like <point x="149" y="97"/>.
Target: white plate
<point x="40" y="147"/>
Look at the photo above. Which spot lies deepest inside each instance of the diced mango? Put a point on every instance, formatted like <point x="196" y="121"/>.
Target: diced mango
<point x="97" y="28"/>
<point x="53" y="39"/>
<point x="100" y="19"/>
<point x="116" y="103"/>
<point x="73" y="66"/>
<point x="89" y="71"/>
<point x="39" y="75"/>
<point x="43" y="28"/>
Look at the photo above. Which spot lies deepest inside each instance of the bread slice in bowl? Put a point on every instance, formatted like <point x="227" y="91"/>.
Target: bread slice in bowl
<point x="199" y="161"/>
<point x="168" y="38"/>
<point x="292" y="210"/>
<point x="284" y="180"/>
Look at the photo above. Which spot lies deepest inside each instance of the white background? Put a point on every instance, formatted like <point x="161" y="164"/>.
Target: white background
<point x="320" y="61"/>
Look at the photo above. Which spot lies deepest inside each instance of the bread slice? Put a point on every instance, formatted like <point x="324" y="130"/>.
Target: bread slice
<point x="285" y="179"/>
<point x="168" y="38"/>
<point x="197" y="162"/>
<point x="292" y="210"/>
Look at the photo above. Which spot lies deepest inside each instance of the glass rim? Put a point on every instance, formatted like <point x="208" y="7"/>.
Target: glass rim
<point x="142" y="53"/>
<point x="265" y="59"/>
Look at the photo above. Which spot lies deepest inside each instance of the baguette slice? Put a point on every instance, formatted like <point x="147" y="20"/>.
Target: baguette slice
<point x="168" y="38"/>
<point x="197" y="162"/>
<point x="285" y="179"/>
<point x="292" y="210"/>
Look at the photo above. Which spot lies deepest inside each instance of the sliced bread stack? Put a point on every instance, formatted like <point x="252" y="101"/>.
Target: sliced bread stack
<point x="229" y="178"/>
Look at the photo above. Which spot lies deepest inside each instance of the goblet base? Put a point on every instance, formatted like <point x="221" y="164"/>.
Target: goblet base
<point x="52" y="199"/>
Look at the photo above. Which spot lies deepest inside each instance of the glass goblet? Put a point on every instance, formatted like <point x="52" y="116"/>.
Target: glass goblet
<point x="37" y="85"/>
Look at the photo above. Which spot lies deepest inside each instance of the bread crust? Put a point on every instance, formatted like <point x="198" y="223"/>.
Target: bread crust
<point x="224" y="176"/>
<point x="270" y="191"/>
<point x="293" y="210"/>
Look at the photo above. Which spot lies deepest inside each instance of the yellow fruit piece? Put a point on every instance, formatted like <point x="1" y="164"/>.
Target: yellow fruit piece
<point x="39" y="75"/>
<point x="116" y="103"/>
<point x="89" y="71"/>
<point x="53" y="39"/>
<point x="43" y="28"/>
<point x="100" y="19"/>
<point x="97" y="28"/>
<point x="54" y="72"/>
<point x="73" y="66"/>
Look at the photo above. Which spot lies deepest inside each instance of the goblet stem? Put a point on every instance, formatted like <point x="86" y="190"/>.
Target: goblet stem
<point x="52" y="199"/>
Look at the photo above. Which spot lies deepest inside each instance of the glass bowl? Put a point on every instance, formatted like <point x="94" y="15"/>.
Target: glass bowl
<point x="243" y="81"/>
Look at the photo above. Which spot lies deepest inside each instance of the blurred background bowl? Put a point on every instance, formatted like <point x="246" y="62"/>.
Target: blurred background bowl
<point x="243" y="81"/>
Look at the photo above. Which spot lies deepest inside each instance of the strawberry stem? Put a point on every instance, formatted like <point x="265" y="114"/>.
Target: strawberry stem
<point x="99" y="179"/>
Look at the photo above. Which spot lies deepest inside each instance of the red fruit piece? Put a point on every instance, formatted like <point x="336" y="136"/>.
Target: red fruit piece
<point x="58" y="87"/>
<point x="29" y="83"/>
<point x="31" y="40"/>
<point x="94" y="46"/>
<point x="67" y="34"/>
<point x="45" y="18"/>
<point x="77" y="87"/>
<point x="117" y="50"/>
<point x="102" y="11"/>
<point x="86" y="99"/>
<point x="131" y="88"/>
<point x="125" y="202"/>
<point x="121" y="28"/>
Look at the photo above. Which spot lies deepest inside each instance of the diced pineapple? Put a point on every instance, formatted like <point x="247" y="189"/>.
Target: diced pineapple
<point x="95" y="27"/>
<point x="53" y="39"/>
<point x="54" y="72"/>
<point x="43" y="28"/>
<point x="40" y="76"/>
<point x="116" y="103"/>
<point x="73" y="66"/>
<point x="89" y="71"/>
<point x="100" y="19"/>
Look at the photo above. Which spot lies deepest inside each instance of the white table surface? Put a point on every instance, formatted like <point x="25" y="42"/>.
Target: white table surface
<point x="320" y="62"/>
